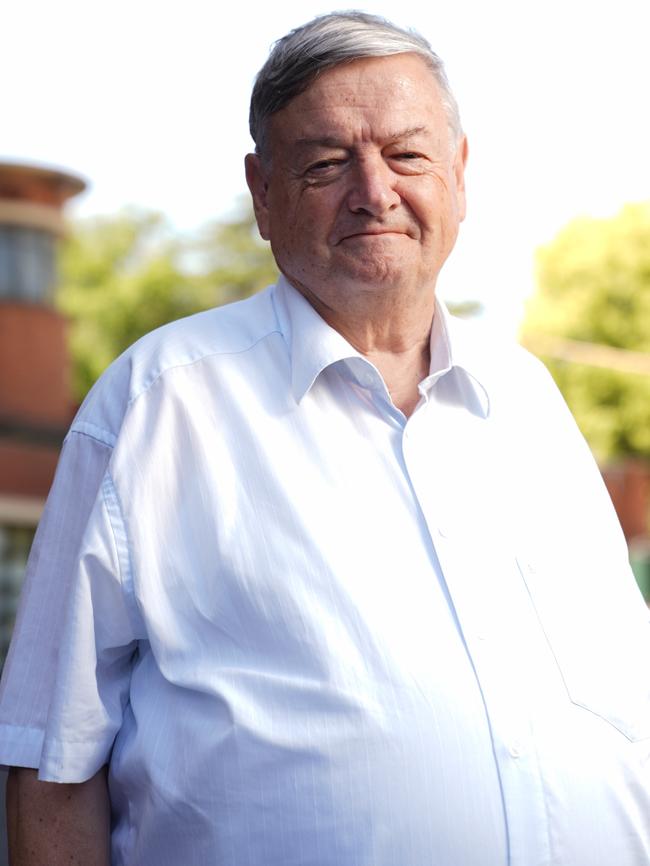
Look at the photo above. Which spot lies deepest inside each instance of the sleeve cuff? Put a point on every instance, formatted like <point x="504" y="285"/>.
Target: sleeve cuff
<point x="66" y="761"/>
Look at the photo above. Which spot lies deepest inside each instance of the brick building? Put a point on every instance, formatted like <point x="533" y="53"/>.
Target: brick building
<point x="36" y="405"/>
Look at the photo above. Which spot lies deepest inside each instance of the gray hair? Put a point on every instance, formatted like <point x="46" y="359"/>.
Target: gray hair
<point x="327" y="41"/>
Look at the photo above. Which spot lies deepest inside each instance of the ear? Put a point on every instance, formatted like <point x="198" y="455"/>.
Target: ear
<point x="257" y="180"/>
<point x="460" y="162"/>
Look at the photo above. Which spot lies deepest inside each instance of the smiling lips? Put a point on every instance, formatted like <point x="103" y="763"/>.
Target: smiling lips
<point x="371" y="233"/>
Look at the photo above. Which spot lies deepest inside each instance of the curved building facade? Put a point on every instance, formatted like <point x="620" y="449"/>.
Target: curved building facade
<point x="36" y="404"/>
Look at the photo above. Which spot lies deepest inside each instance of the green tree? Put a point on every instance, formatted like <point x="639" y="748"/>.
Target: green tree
<point x="121" y="276"/>
<point x="594" y="289"/>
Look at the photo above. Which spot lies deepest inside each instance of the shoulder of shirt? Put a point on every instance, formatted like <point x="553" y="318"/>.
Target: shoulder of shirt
<point x="227" y="330"/>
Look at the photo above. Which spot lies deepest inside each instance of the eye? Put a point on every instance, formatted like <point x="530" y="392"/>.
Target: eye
<point x="324" y="165"/>
<point x="408" y="161"/>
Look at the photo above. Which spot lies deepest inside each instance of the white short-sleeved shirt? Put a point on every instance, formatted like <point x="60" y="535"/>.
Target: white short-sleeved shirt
<point x="306" y="630"/>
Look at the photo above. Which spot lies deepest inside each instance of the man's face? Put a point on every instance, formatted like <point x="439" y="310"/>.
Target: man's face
<point x="364" y="190"/>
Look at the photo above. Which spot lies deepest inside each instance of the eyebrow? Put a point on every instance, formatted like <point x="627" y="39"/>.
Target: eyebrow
<point x="330" y="141"/>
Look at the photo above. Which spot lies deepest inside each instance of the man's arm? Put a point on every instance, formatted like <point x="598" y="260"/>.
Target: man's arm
<point x="51" y="824"/>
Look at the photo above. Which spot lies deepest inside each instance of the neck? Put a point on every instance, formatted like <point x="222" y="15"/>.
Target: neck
<point x="393" y="332"/>
<point x="402" y="372"/>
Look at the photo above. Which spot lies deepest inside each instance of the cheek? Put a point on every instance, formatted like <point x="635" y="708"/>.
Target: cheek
<point x="311" y="224"/>
<point x="440" y="209"/>
<point x="310" y="228"/>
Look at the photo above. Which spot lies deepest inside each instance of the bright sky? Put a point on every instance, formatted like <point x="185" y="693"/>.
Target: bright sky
<point x="149" y="101"/>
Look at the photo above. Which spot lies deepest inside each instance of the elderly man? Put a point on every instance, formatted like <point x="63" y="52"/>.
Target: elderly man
<point x="326" y="576"/>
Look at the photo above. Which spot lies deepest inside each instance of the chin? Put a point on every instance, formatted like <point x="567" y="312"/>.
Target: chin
<point x="373" y="273"/>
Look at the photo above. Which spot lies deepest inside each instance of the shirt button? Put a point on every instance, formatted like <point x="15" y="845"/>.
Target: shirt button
<point x="516" y="751"/>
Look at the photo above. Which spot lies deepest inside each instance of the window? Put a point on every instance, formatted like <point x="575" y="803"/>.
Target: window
<point x="27" y="263"/>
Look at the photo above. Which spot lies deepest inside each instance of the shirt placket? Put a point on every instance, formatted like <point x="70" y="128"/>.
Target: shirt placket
<point x="490" y="610"/>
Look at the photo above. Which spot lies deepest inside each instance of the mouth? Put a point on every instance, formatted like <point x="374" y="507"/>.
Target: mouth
<point x="373" y="234"/>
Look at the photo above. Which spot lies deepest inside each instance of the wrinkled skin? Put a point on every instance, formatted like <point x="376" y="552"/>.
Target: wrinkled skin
<point x="364" y="191"/>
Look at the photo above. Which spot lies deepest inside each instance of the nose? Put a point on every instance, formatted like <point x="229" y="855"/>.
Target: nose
<point x="373" y="188"/>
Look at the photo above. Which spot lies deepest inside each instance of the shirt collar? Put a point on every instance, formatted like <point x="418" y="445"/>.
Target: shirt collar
<point x="455" y="345"/>
<point x="314" y="345"/>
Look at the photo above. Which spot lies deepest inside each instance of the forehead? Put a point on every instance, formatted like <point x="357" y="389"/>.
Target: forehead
<point x="378" y="93"/>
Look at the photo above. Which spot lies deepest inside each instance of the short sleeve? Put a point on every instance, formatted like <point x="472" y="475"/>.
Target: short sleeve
<point x="66" y="679"/>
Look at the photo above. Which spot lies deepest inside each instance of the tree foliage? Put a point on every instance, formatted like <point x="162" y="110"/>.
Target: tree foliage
<point x="594" y="286"/>
<point x="121" y="276"/>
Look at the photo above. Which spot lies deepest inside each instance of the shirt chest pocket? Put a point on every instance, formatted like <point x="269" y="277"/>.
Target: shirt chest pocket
<point x="598" y="631"/>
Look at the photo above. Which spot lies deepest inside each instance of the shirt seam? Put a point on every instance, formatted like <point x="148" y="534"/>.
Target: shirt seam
<point x="278" y="322"/>
<point x="92" y="431"/>
<point x="63" y="741"/>
<point x="152" y="381"/>
<point x="22" y="728"/>
<point x="122" y="548"/>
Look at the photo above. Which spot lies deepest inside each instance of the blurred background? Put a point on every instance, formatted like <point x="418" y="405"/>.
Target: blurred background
<point x="123" y="129"/>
